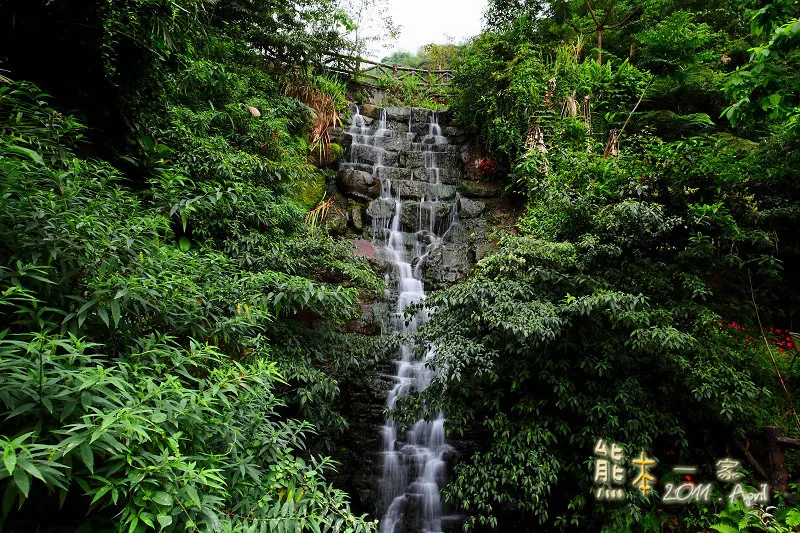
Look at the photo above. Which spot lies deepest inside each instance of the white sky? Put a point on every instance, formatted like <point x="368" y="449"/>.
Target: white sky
<point x="433" y="21"/>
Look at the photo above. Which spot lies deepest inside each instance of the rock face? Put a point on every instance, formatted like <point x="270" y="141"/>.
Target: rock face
<point x="404" y="167"/>
<point x="395" y="148"/>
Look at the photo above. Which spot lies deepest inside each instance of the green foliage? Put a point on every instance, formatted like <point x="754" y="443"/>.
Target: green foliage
<point x="602" y="320"/>
<point x="413" y="90"/>
<point x="431" y="56"/>
<point x="738" y="517"/>
<point x="610" y="314"/>
<point x="768" y="84"/>
<point x="501" y="89"/>
<point x="173" y="338"/>
<point x="675" y="43"/>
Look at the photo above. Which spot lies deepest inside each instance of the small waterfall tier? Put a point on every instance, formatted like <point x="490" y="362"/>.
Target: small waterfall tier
<point x="410" y="170"/>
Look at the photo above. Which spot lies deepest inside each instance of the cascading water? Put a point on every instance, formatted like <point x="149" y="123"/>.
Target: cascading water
<point x="413" y="466"/>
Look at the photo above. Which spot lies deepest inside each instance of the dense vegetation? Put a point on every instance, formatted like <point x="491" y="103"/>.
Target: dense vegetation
<point x="623" y="306"/>
<point x="175" y="330"/>
<point x="172" y="335"/>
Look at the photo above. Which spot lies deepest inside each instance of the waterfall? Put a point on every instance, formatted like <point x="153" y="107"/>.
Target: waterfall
<point x="413" y="465"/>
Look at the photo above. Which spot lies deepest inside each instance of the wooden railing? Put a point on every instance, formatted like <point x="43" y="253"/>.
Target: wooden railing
<point x="364" y="70"/>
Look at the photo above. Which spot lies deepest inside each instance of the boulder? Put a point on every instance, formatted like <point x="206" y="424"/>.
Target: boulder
<point x="381" y="209"/>
<point x="369" y="110"/>
<point x="336" y="223"/>
<point x="398" y="114"/>
<point x="470" y="208"/>
<point x="335" y="154"/>
<point x="358" y="184"/>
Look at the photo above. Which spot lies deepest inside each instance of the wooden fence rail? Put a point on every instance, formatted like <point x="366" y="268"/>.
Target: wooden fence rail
<point x="364" y="69"/>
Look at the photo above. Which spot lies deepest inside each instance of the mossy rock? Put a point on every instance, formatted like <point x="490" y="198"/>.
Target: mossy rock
<point x="311" y="190"/>
<point x="479" y="189"/>
<point x="336" y="223"/>
<point x="730" y="143"/>
<point x="671" y="126"/>
<point x="335" y="154"/>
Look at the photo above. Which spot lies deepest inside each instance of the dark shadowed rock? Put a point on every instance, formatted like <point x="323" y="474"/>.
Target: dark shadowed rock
<point x="470" y="208"/>
<point x="479" y="189"/>
<point x="358" y="184"/>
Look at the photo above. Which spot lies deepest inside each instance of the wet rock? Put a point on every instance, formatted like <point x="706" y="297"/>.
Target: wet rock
<point x="450" y="176"/>
<point x="393" y="144"/>
<point x="370" y="155"/>
<point x="417" y="215"/>
<point x="399" y="128"/>
<point x="358" y="184"/>
<point x="447" y="265"/>
<point x="470" y="208"/>
<point x="447" y="161"/>
<point x="394" y="173"/>
<point x="445" y="118"/>
<point x="418" y="189"/>
<point x="420" y="118"/>
<point x="398" y="114"/>
<point x="381" y="209"/>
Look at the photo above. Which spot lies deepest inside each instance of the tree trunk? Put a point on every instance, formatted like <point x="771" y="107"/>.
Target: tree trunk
<point x="600" y="45"/>
<point x="777" y="462"/>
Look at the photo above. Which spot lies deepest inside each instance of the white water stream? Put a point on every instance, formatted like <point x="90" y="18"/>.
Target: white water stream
<point x="413" y="464"/>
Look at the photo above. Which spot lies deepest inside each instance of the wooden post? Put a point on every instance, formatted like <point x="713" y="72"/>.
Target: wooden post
<point x="777" y="461"/>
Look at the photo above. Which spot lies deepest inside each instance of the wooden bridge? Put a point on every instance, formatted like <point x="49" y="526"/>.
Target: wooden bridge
<point x="370" y="72"/>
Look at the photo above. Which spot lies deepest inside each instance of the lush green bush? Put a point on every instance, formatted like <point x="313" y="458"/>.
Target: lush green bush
<point x="172" y="335"/>
<point x="623" y="308"/>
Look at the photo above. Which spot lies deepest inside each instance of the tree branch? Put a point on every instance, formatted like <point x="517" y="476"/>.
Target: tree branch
<point x="609" y="12"/>
<point x="591" y="12"/>
<point x="632" y="13"/>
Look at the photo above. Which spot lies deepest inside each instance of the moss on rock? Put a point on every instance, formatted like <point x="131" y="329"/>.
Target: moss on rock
<point x="311" y="190"/>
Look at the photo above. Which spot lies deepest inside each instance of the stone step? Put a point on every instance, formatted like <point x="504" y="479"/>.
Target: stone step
<point x="399" y="142"/>
<point x="450" y="160"/>
<point x="407" y="189"/>
<point x="415" y="216"/>
<point x="363" y="154"/>
<point x="448" y="176"/>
